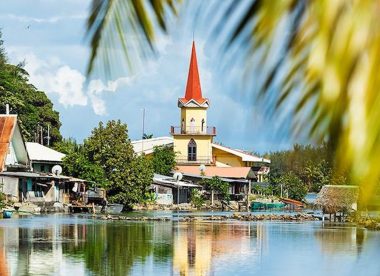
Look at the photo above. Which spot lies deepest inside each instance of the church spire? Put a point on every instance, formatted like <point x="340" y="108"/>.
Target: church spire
<point x="193" y="87"/>
<point x="193" y="92"/>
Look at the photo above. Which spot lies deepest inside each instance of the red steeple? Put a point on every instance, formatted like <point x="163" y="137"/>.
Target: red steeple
<point x="193" y="86"/>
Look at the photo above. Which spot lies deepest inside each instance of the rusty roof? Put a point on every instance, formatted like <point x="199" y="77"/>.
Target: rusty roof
<point x="7" y="125"/>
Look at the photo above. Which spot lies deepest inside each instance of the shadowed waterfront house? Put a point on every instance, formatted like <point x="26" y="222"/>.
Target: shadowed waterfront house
<point x="13" y="154"/>
<point x="22" y="183"/>
<point x="193" y="142"/>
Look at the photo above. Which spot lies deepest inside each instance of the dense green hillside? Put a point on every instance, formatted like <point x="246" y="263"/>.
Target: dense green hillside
<point x="34" y="108"/>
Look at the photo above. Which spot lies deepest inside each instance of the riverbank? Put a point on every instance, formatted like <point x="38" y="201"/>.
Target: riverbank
<point x="233" y="217"/>
<point x="369" y="223"/>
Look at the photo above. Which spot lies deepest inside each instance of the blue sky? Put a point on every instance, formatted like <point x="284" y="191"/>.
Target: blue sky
<point x="50" y="37"/>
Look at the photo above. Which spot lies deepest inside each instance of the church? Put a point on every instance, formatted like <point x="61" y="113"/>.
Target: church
<point x="192" y="139"/>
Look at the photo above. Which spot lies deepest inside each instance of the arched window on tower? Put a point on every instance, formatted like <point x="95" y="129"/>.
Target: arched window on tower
<point x="192" y="150"/>
<point x="203" y="125"/>
<point x="192" y="125"/>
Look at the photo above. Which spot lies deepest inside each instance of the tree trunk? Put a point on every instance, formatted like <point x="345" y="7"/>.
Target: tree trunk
<point x="212" y="197"/>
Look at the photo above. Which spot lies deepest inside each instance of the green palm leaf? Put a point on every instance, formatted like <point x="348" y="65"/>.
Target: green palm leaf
<point x="126" y="23"/>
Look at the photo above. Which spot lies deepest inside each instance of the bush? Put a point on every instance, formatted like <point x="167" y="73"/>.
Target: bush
<point x="196" y="198"/>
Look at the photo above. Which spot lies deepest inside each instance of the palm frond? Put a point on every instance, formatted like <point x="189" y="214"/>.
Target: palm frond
<point x="336" y="45"/>
<point x="130" y="24"/>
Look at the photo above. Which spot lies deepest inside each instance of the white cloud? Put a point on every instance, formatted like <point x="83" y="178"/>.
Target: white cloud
<point x="53" y="19"/>
<point x="68" y="84"/>
<point x="96" y="88"/>
<point x="54" y="78"/>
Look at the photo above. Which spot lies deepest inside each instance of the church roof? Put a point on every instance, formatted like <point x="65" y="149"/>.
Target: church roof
<point x="193" y="86"/>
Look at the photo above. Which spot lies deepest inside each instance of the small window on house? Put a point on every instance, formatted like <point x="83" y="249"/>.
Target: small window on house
<point x="192" y="151"/>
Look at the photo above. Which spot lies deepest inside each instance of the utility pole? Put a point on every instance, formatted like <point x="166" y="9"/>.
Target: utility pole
<point x="48" y="135"/>
<point x="143" y="131"/>
<point x="42" y="135"/>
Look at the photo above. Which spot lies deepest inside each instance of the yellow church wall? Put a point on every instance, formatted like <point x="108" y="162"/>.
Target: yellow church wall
<point x="227" y="158"/>
<point x="193" y="112"/>
<point x="203" y="146"/>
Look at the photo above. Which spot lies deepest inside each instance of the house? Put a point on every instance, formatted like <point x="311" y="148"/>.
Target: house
<point x="193" y="142"/>
<point x="25" y="169"/>
<point x="168" y="190"/>
<point x="43" y="158"/>
<point x="13" y="155"/>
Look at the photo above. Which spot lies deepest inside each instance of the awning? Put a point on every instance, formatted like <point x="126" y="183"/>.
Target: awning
<point x="40" y="184"/>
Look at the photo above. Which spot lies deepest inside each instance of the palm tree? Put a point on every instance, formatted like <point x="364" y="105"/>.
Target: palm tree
<point x="327" y="67"/>
<point x="147" y="136"/>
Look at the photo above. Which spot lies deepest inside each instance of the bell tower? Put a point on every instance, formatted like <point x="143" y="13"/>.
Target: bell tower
<point x="193" y="137"/>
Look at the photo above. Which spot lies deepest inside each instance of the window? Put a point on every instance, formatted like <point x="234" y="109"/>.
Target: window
<point x="192" y="151"/>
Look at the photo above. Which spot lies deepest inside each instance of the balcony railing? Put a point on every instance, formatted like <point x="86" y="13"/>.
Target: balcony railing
<point x="198" y="160"/>
<point x="193" y="130"/>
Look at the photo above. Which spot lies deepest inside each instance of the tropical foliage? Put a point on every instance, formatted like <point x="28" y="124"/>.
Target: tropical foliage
<point x="215" y="184"/>
<point x="196" y="198"/>
<point x="130" y="24"/>
<point x="163" y="160"/>
<point x="107" y="159"/>
<point x="147" y="136"/>
<point x="310" y="164"/>
<point x="33" y="107"/>
<point x="320" y="57"/>
<point x="293" y="186"/>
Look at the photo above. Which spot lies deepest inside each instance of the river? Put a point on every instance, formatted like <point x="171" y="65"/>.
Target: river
<point x="74" y="245"/>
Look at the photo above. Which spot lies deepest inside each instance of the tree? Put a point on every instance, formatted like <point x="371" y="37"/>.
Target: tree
<point x="127" y="176"/>
<point x="77" y="164"/>
<point x="33" y="107"/>
<point x="332" y="87"/>
<point x="163" y="160"/>
<point x="147" y="136"/>
<point x="293" y="186"/>
<point x="130" y="185"/>
<point x="215" y="184"/>
<point x="67" y="146"/>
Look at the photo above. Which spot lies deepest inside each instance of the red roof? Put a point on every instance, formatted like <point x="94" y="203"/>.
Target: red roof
<point x="7" y="124"/>
<point x="193" y="86"/>
<point x="227" y="172"/>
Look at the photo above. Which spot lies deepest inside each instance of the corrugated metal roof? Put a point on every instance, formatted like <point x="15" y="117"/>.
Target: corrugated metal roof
<point x="7" y="125"/>
<point x="38" y="152"/>
<point x="149" y="144"/>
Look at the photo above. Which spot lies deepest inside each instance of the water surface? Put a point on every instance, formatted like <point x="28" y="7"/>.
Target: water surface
<point x="72" y="245"/>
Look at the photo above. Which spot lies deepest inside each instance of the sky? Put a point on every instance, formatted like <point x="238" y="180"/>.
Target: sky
<point x="50" y="37"/>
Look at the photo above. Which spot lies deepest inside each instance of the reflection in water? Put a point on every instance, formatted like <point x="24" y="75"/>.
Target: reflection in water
<point x="67" y="245"/>
<point x="337" y="239"/>
<point x="197" y="244"/>
<point x="3" y="258"/>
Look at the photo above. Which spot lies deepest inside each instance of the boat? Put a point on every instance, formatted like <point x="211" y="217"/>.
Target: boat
<point x="114" y="208"/>
<point x="7" y="214"/>
<point x="256" y="205"/>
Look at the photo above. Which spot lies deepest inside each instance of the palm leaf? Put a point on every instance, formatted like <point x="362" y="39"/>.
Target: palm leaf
<point x="131" y="24"/>
<point x="336" y="45"/>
